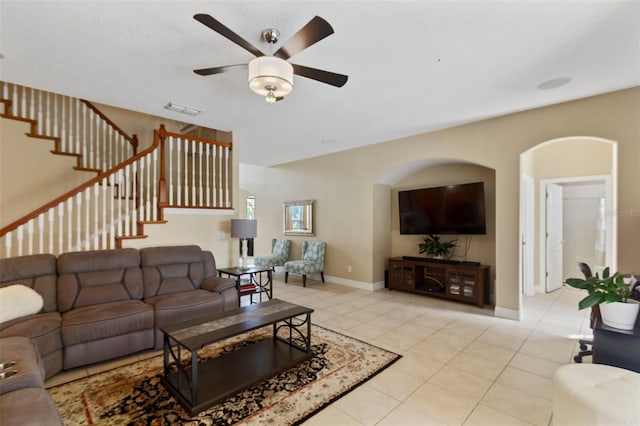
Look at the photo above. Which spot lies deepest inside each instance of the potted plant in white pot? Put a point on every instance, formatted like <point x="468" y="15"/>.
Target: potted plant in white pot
<point x="433" y="247"/>
<point x="613" y="295"/>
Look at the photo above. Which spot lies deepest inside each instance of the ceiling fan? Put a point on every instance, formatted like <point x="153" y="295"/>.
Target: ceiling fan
<point x="272" y="75"/>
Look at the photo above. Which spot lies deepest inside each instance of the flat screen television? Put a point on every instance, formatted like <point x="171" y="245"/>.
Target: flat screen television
<point x="452" y="209"/>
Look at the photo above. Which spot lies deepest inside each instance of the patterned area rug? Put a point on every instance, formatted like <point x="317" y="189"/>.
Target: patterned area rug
<point x="133" y="394"/>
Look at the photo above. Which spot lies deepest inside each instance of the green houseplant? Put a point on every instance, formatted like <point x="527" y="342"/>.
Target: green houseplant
<point x="613" y="295"/>
<point x="433" y="247"/>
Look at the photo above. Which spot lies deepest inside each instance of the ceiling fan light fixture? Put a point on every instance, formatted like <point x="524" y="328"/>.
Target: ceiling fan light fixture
<point x="270" y="76"/>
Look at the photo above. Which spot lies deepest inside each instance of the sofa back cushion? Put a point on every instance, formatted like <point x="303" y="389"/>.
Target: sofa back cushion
<point x="99" y="276"/>
<point x="174" y="269"/>
<point x="35" y="271"/>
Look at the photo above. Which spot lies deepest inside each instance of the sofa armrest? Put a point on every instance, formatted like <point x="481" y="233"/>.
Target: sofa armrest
<point x="218" y="284"/>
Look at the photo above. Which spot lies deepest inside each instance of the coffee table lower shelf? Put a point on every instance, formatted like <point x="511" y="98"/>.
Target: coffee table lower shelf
<point x="224" y="376"/>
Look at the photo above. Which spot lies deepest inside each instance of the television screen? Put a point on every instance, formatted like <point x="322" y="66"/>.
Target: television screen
<point x="453" y="209"/>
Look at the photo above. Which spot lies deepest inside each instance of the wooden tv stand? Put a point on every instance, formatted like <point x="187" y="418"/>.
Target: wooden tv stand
<point x="457" y="281"/>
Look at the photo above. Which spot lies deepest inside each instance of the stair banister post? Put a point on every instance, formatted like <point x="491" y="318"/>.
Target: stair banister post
<point x="162" y="183"/>
<point x="134" y="143"/>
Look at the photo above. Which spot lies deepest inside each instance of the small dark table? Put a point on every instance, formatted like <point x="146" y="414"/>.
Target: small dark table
<point x="616" y="347"/>
<point x="199" y="385"/>
<point x="255" y="286"/>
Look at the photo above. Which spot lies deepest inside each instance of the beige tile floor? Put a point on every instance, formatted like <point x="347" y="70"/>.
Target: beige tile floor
<point x="460" y="364"/>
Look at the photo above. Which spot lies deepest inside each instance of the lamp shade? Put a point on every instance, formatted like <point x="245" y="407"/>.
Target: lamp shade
<point x="269" y="74"/>
<point x="244" y="228"/>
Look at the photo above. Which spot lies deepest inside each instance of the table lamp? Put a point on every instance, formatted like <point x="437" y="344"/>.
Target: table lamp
<point x="243" y="229"/>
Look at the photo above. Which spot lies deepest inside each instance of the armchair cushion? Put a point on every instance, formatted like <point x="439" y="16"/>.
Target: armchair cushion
<point x="312" y="259"/>
<point x="279" y="254"/>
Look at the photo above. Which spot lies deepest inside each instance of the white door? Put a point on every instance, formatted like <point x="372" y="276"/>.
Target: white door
<point x="554" y="239"/>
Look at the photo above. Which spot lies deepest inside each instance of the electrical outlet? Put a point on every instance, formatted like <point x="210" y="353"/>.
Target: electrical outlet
<point x="348" y="268"/>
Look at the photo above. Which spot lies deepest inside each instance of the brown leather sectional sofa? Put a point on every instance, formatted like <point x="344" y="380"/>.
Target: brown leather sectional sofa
<point x="103" y="304"/>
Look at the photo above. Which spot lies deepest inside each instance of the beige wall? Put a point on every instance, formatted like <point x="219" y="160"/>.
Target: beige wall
<point x="186" y="228"/>
<point x="343" y="184"/>
<point x="30" y="175"/>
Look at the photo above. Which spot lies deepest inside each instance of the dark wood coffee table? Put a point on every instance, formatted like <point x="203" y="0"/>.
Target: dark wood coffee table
<point x="199" y="385"/>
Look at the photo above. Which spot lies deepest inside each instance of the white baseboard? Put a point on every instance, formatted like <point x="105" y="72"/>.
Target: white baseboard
<point x="361" y="285"/>
<point x="513" y="314"/>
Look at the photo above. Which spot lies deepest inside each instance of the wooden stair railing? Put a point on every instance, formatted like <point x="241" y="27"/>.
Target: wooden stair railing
<point x="76" y="126"/>
<point x="175" y="171"/>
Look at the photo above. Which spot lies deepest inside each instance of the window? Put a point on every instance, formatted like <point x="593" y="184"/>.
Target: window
<point x="251" y="207"/>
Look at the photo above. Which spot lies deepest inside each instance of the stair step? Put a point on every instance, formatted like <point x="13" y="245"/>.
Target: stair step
<point x="87" y="169"/>
<point x="67" y="154"/>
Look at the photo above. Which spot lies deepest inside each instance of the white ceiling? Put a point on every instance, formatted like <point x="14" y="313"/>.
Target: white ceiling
<point x="413" y="66"/>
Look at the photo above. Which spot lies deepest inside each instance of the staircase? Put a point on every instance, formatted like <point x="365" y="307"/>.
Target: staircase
<point x="75" y="126"/>
<point x="176" y="171"/>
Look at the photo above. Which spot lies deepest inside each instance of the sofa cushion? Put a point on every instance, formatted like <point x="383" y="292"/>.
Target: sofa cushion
<point x="29" y="407"/>
<point x="30" y="372"/>
<point x="167" y="270"/>
<point x="35" y="271"/>
<point x="177" y="307"/>
<point x="100" y="276"/>
<point x="105" y="320"/>
<point x="17" y="301"/>
<point x="191" y="301"/>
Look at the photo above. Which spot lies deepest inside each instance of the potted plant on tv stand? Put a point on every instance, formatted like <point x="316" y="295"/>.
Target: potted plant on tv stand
<point x="433" y="247"/>
<point x="613" y="295"/>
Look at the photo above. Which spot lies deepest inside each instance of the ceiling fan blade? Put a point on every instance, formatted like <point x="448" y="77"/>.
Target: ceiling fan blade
<point x="315" y="30"/>
<point x="221" y="29"/>
<point x="218" y="70"/>
<point x="327" y="77"/>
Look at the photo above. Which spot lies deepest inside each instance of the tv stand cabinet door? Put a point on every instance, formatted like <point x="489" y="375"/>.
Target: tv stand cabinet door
<point x="401" y="275"/>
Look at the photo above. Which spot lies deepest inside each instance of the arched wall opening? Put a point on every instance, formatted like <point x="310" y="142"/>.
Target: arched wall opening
<point x="581" y="173"/>
<point x="432" y="173"/>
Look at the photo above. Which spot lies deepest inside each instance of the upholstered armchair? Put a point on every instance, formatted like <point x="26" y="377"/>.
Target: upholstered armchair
<point x="312" y="261"/>
<point x="279" y="254"/>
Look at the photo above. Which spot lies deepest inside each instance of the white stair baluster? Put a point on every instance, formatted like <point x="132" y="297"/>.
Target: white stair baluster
<point x="61" y="228"/>
<point x="79" y="221"/>
<point x="185" y="165"/>
<point x="200" y="164"/>
<point x="23" y="102"/>
<point x="63" y="124"/>
<point x="15" y="105"/>
<point x="30" y="237"/>
<point x="214" y="169"/>
<point x="178" y="177"/>
<point x="32" y="104"/>
<point x="154" y="184"/>
<point x="118" y="200"/>
<point x="142" y="190"/>
<point x="105" y="225"/>
<point x="51" y="227"/>
<point x="134" y="190"/>
<point x="226" y="168"/>
<point x="207" y="175"/>
<point x="96" y="210"/>
<point x="84" y="151"/>
<point x="47" y="128"/>
<point x="193" y="173"/>
<point x="170" y="174"/>
<point x="127" y="175"/>
<point x="20" y="238"/>
<point x="54" y="118"/>
<point x="41" y="233"/>
<point x="8" y="240"/>
<point x="40" y="114"/>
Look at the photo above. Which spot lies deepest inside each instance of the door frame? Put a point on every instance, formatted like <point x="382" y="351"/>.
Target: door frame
<point x="611" y="220"/>
<point x="527" y="234"/>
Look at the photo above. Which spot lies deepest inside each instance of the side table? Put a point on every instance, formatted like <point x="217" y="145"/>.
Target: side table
<point x="256" y="283"/>
<point x="616" y="347"/>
